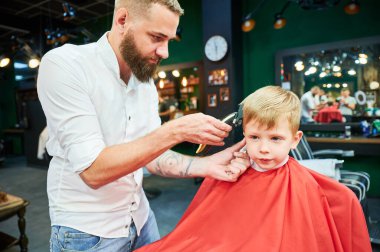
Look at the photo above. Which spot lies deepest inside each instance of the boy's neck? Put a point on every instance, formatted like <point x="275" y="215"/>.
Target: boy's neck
<point x="259" y="169"/>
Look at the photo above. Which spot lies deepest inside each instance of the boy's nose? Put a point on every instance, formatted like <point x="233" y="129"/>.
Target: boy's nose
<point x="263" y="147"/>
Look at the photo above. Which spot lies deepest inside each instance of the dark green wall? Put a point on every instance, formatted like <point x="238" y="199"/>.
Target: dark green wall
<point x="303" y="28"/>
<point x="190" y="48"/>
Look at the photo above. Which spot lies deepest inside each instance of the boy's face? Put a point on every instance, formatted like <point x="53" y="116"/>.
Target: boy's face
<point x="269" y="147"/>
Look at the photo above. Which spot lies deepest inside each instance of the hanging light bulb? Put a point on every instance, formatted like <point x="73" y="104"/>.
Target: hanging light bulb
<point x="4" y="61"/>
<point x="248" y="23"/>
<point x="299" y="65"/>
<point x="162" y="74"/>
<point x="336" y="68"/>
<point x="279" y="21"/>
<point x="68" y="11"/>
<point x="352" y="7"/>
<point x="363" y="61"/>
<point x="312" y="70"/>
<point x="34" y="62"/>
<point x="184" y="81"/>
<point x="322" y="74"/>
<point x="161" y="83"/>
<point x="175" y="73"/>
<point x="374" y="85"/>
<point x="351" y="72"/>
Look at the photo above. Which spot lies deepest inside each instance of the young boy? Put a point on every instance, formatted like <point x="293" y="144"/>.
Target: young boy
<point x="278" y="205"/>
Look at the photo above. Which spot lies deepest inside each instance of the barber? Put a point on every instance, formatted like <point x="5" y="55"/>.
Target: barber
<point x="101" y="107"/>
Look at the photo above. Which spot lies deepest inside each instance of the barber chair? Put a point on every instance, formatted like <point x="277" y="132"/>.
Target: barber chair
<point x="357" y="181"/>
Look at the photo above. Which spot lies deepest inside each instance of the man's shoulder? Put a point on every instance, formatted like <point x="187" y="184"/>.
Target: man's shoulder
<point x="70" y="52"/>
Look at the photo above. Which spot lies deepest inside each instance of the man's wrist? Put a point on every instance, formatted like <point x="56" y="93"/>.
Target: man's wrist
<point x="173" y="132"/>
<point x="198" y="167"/>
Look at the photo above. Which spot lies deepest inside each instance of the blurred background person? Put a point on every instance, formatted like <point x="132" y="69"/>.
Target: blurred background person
<point x="309" y="105"/>
<point x="347" y="104"/>
<point x="330" y="113"/>
<point x="321" y="99"/>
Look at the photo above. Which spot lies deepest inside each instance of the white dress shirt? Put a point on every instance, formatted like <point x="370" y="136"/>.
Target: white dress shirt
<point x="88" y="107"/>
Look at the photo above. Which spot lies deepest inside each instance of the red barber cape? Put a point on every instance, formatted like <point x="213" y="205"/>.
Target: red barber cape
<point x="286" y="209"/>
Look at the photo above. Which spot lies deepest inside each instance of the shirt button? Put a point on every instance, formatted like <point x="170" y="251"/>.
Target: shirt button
<point x="126" y="226"/>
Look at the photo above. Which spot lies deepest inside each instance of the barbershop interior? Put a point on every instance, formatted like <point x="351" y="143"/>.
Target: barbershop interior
<point x="325" y="51"/>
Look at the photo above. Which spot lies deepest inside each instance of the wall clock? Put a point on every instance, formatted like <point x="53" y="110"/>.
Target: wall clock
<point x="216" y="48"/>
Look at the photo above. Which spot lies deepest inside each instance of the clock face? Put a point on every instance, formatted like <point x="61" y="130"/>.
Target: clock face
<point x="216" y="48"/>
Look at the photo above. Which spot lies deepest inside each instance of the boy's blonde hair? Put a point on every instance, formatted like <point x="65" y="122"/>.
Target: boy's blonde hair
<point x="267" y="104"/>
<point x="138" y="7"/>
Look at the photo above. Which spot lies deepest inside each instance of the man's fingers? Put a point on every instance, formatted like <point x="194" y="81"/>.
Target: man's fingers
<point x="220" y="125"/>
<point x="236" y="147"/>
<point x="242" y="155"/>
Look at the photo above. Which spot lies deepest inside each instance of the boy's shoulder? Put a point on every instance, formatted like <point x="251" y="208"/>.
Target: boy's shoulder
<point x="330" y="187"/>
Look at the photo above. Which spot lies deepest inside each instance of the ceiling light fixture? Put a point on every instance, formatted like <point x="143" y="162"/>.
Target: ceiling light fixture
<point x="352" y="7"/>
<point x="4" y="61"/>
<point x="176" y="73"/>
<point x="34" y="62"/>
<point x="336" y="68"/>
<point x="322" y="74"/>
<point x="374" y="85"/>
<point x="161" y="83"/>
<point x="184" y="81"/>
<point x="351" y="72"/>
<point x="279" y="20"/>
<point x="248" y="23"/>
<point x="162" y="74"/>
<point x="68" y="11"/>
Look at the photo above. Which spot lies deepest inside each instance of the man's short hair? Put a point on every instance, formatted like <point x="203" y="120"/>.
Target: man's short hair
<point x="143" y="6"/>
<point x="267" y="104"/>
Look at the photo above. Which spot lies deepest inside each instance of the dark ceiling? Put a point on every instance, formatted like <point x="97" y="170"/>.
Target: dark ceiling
<point x="25" y="18"/>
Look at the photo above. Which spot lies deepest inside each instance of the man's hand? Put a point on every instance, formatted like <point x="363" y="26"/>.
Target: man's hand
<point x="226" y="165"/>
<point x="199" y="129"/>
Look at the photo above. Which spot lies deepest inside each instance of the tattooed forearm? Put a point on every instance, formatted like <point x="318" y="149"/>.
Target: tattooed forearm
<point x="172" y="164"/>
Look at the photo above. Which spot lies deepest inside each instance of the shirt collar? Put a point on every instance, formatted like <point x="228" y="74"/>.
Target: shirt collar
<point x="259" y="169"/>
<point x="110" y="61"/>
<point x="108" y="55"/>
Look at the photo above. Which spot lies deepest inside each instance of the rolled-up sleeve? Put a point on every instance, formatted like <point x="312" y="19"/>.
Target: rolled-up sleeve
<point x="66" y="100"/>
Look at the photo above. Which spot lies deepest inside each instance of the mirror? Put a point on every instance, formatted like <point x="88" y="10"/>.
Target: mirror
<point x="353" y="64"/>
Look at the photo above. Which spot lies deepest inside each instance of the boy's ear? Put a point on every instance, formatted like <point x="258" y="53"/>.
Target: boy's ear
<point x="297" y="139"/>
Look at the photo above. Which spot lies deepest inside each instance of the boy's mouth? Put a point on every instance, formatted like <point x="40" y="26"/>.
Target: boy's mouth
<point x="265" y="160"/>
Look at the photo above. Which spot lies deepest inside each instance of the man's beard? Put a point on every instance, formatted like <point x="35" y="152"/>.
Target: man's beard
<point x="139" y="65"/>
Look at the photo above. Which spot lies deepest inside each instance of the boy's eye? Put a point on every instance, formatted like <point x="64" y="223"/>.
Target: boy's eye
<point x="276" y="139"/>
<point x="254" y="137"/>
